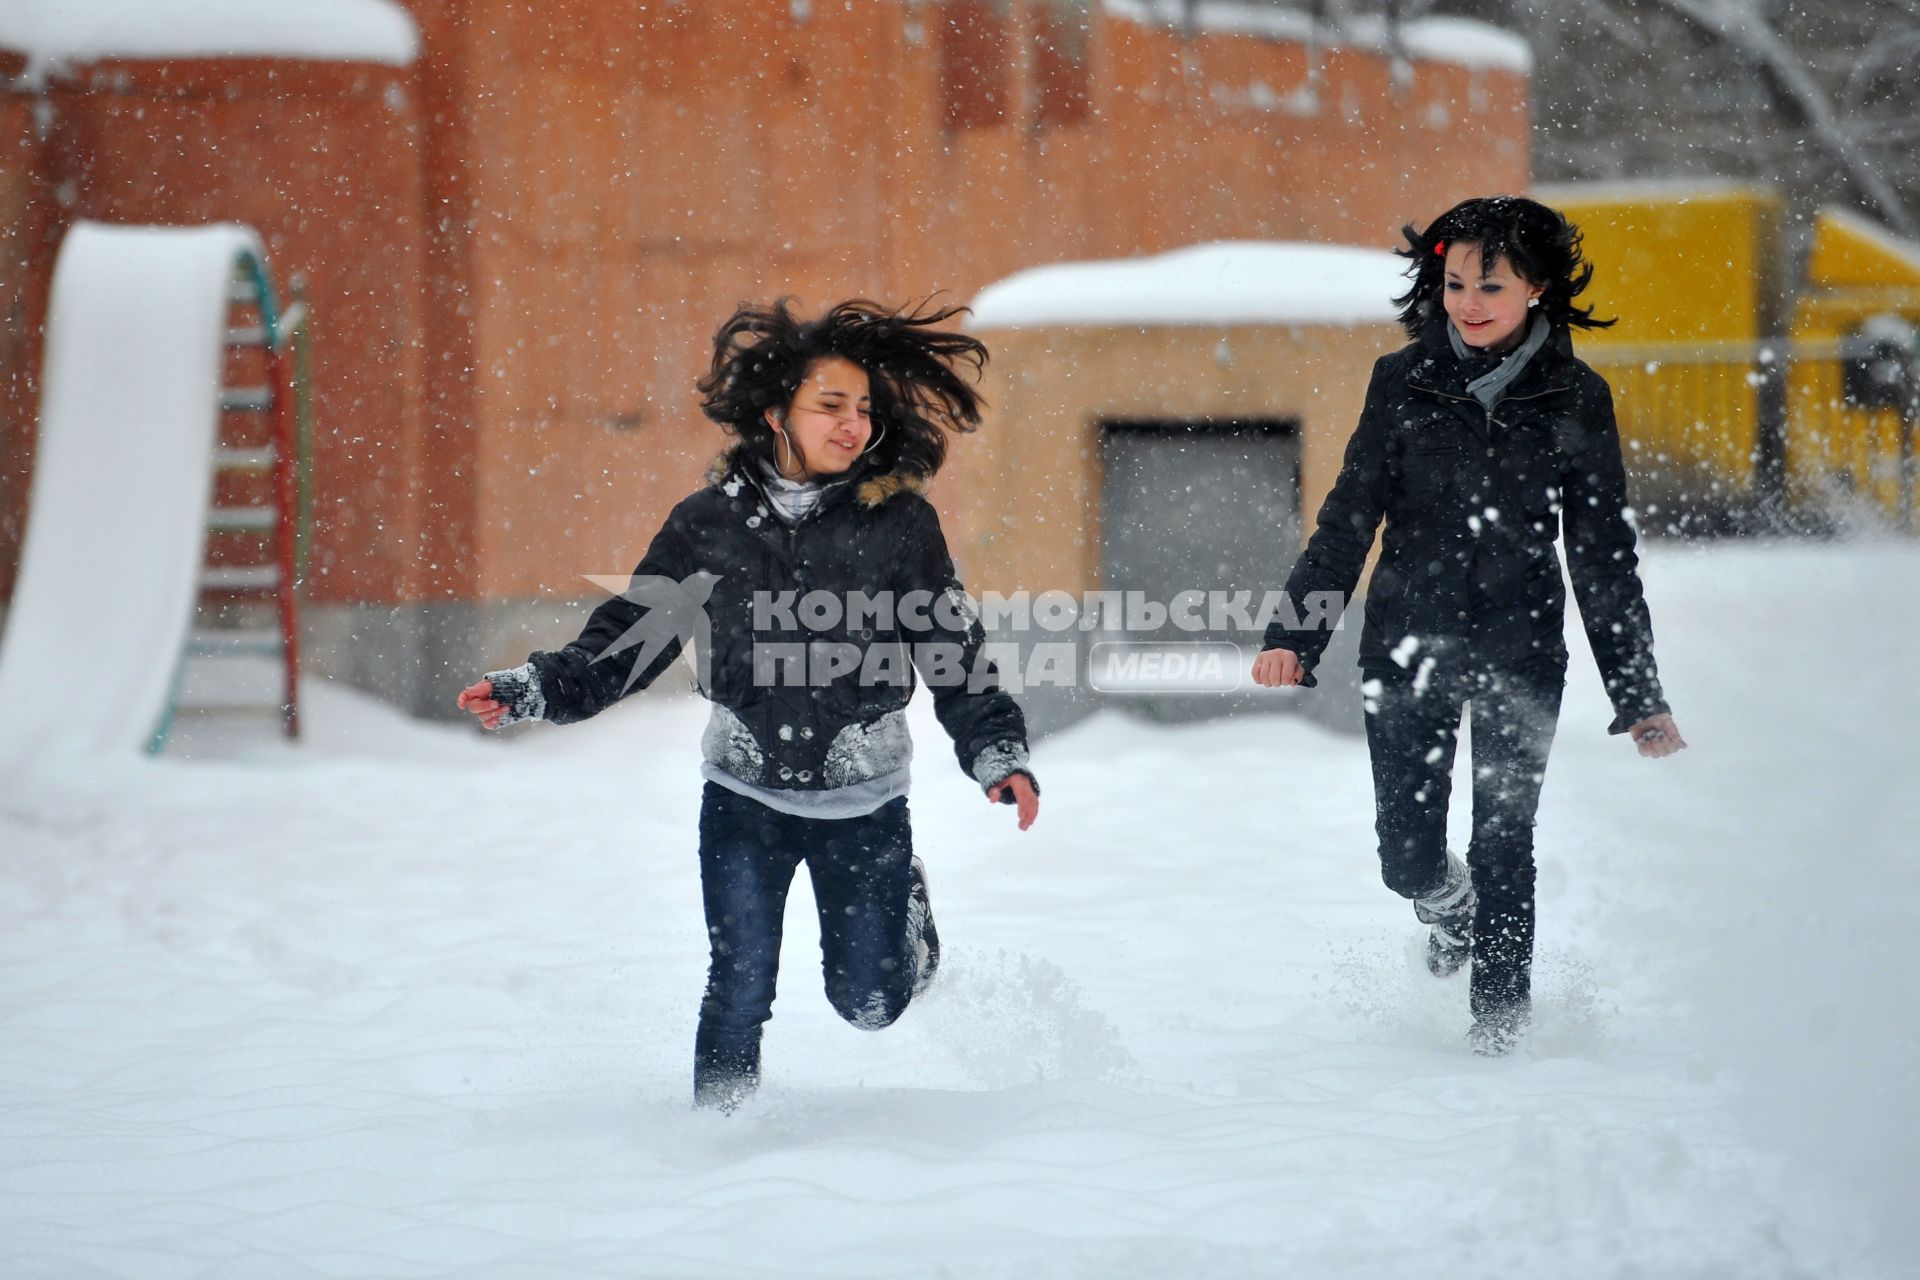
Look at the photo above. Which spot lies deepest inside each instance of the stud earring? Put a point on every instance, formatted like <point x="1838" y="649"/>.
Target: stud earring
<point x="1533" y="302"/>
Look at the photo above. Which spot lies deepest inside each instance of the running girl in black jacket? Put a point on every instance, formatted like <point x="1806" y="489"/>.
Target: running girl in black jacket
<point x="1477" y="445"/>
<point x="813" y="578"/>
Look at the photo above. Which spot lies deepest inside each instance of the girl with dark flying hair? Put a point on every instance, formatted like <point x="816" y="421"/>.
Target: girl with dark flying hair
<point x="840" y="423"/>
<point x="1477" y="445"/>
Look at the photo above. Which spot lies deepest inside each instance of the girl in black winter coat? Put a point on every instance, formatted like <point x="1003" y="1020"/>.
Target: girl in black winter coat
<point x="1478" y="444"/>
<point x="813" y="578"/>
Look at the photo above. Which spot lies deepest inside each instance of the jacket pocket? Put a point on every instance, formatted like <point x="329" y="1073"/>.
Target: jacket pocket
<point x="1530" y="468"/>
<point x="1429" y="471"/>
<point x="1385" y="606"/>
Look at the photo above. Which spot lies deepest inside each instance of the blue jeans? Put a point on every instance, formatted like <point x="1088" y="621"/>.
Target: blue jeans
<point x="860" y="870"/>
<point x="1413" y="724"/>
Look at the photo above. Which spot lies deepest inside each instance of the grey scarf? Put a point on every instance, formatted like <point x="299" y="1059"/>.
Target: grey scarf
<point x="791" y="499"/>
<point x="1489" y="387"/>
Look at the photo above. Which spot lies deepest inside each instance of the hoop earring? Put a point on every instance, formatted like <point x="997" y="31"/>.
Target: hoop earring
<point x="781" y="442"/>
<point x="875" y="442"/>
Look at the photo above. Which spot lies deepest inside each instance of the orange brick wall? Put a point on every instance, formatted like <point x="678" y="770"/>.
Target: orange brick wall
<point x="322" y="160"/>
<point x="518" y="249"/>
<point x="636" y="169"/>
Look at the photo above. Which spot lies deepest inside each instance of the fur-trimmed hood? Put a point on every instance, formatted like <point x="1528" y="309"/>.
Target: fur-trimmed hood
<point x="870" y="488"/>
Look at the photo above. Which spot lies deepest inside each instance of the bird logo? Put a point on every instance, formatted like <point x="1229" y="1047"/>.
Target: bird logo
<point x="671" y="614"/>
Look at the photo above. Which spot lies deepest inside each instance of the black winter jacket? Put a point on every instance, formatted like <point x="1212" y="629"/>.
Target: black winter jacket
<point x="1473" y="500"/>
<point x="835" y="718"/>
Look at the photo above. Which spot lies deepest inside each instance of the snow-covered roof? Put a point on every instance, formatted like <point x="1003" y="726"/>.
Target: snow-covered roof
<point x="1457" y="40"/>
<point x="1867" y="229"/>
<point x="1234" y="282"/>
<point x="1641" y="190"/>
<point x="1851" y="249"/>
<point x="1465" y="42"/>
<point x="56" y="32"/>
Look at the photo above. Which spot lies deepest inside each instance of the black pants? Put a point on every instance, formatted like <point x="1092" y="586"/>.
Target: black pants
<point x="860" y="870"/>
<point x="1413" y="724"/>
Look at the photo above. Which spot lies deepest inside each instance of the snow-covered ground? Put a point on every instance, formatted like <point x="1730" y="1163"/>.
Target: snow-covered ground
<point x="406" y="1002"/>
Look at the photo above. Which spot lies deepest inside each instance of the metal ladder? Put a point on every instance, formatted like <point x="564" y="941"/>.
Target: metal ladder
<point x="254" y="524"/>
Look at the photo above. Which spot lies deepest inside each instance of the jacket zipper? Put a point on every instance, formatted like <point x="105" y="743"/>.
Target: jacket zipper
<point x="1486" y="432"/>
<point x="770" y="737"/>
<point x="773" y="730"/>
<point x="1491" y="421"/>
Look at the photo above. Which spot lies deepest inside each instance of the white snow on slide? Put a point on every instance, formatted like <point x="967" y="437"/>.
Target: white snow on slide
<point x="1231" y="282"/>
<point x="406" y="1002"/>
<point x="136" y="337"/>
<point x="52" y="32"/>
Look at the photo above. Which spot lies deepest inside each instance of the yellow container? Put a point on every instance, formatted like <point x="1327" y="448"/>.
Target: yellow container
<point x="1855" y="272"/>
<point x="1691" y="272"/>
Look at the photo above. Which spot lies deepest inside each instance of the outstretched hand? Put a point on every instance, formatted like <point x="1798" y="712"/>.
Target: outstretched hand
<point x="478" y="699"/>
<point x="1657" y="736"/>
<point x="1020" y="787"/>
<point x="1276" y="668"/>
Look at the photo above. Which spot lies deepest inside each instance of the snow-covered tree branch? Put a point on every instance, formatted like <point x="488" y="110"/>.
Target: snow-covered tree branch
<point x="1743" y="27"/>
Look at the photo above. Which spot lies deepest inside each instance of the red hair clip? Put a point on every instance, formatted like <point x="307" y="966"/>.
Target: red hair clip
<point x="1440" y="248"/>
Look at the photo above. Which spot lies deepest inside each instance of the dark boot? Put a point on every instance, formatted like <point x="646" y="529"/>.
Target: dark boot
<point x="1501" y="995"/>
<point x="1496" y="1032"/>
<point x="1449" y="909"/>
<point x="726" y="1067"/>
<point x="920" y="928"/>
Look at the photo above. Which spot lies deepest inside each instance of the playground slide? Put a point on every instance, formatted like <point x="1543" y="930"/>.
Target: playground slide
<point x="116" y="526"/>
